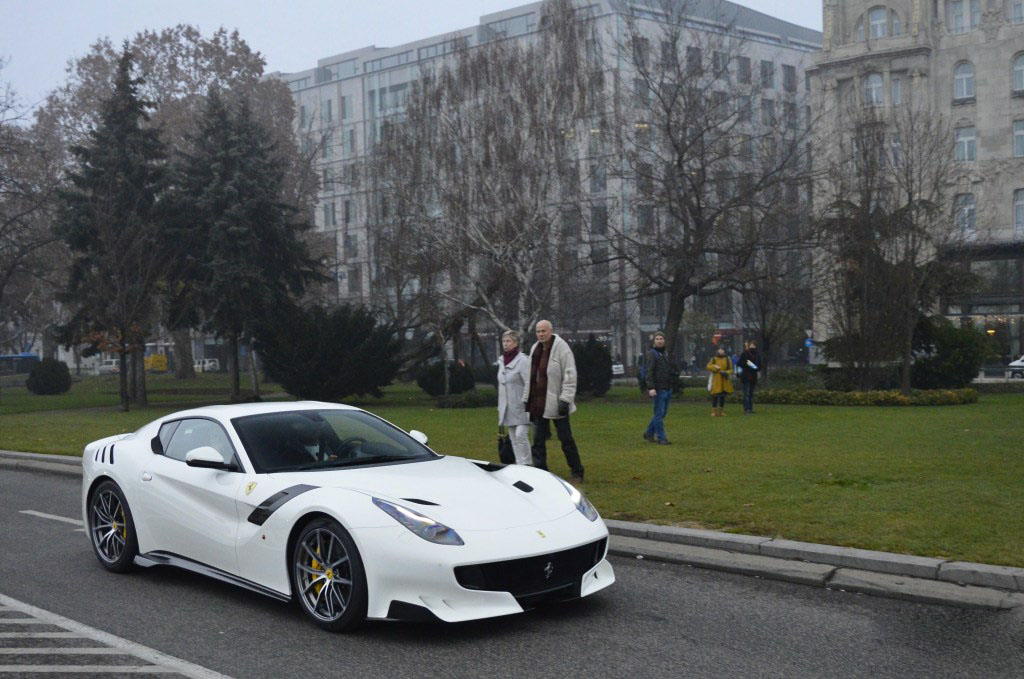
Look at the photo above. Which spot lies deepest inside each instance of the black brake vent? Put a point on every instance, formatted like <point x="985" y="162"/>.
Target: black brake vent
<point x="421" y="502"/>
<point x="523" y="486"/>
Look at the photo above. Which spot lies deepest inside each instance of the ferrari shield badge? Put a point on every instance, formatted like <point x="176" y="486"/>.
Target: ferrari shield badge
<point x="541" y="533"/>
<point x="249" y="486"/>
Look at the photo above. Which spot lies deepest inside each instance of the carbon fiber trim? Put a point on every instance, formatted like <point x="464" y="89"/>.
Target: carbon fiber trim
<point x="260" y="515"/>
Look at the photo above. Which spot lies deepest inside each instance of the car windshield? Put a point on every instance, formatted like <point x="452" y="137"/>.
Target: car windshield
<point x="301" y="440"/>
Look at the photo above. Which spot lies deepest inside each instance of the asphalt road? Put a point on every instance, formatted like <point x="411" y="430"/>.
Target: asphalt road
<point x="658" y="620"/>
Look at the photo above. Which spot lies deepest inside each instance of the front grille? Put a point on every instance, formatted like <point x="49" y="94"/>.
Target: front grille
<point x="549" y="576"/>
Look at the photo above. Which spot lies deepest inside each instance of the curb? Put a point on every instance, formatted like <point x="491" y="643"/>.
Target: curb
<point x="898" y="576"/>
<point x="70" y="465"/>
<point x="901" y="576"/>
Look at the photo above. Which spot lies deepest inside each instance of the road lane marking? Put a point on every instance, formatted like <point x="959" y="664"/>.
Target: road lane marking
<point x="22" y="621"/>
<point x="40" y="635"/>
<point x="86" y="669"/>
<point x="52" y="517"/>
<point x="162" y="662"/>
<point x="60" y="650"/>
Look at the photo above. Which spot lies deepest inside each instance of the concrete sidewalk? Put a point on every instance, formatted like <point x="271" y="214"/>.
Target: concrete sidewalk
<point x="898" y="576"/>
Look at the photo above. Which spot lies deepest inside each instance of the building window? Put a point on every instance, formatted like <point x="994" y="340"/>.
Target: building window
<point x="963" y="15"/>
<point x="693" y="60"/>
<point x="744" y="108"/>
<point x="1018" y="138"/>
<point x="873" y="89"/>
<point x="966" y="143"/>
<point x="721" y="64"/>
<point x="355" y="281"/>
<point x="767" y="112"/>
<point x="789" y="78"/>
<point x="597" y="178"/>
<point x="599" y="220"/>
<point x="641" y="92"/>
<point x="963" y="80"/>
<point x="743" y="70"/>
<point x="325" y="112"/>
<point x="963" y="212"/>
<point x="329" y="219"/>
<point x="791" y="115"/>
<point x="767" y="75"/>
<point x="641" y="48"/>
<point x="1018" y="213"/>
<point x="1018" y="73"/>
<point x="896" y="90"/>
<point x="877" y="20"/>
<point x="351" y="246"/>
<point x="1017" y="11"/>
<point x="348" y="211"/>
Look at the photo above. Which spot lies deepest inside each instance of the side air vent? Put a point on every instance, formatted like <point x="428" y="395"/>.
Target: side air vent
<point x="489" y="466"/>
<point x="421" y="502"/>
<point x="523" y="486"/>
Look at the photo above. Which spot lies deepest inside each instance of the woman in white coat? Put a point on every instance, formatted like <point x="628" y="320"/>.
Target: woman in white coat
<point x="513" y="376"/>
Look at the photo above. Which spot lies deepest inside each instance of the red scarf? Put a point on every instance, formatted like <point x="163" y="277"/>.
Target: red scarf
<point x="507" y="356"/>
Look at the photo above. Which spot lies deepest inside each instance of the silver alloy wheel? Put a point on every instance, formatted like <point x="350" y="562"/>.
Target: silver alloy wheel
<point x="324" y="574"/>
<point x="108" y="525"/>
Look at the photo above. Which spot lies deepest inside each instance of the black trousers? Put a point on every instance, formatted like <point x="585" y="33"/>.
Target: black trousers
<point x="541" y="434"/>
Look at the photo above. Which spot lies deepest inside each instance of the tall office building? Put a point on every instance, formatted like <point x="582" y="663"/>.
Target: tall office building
<point x="963" y="60"/>
<point x="351" y="93"/>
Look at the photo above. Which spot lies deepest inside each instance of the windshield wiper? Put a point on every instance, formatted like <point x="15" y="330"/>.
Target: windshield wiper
<point x="351" y="462"/>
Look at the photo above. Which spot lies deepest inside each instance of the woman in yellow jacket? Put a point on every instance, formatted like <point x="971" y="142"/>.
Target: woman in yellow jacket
<point x="719" y="384"/>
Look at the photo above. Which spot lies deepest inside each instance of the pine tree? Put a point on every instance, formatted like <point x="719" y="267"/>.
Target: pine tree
<point x="252" y="257"/>
<point x="111" y="221"/>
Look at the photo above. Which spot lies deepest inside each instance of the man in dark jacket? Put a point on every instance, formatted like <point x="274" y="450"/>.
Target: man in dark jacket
<point x="658" y="384"/>
<point x="750" y="363"/>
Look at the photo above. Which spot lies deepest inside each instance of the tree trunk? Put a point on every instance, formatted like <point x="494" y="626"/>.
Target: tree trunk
<point x="141" y="398"/>
<point x="183" y="357"/>
<point x="122" y="378"/>
<point x="445" y="368"/>
<point x="908" y="354"/>
<point x="252" y="374"/>
<point x="233" y="362"/>
<point x="676" y="306"/>
<point x="130" y="378"/>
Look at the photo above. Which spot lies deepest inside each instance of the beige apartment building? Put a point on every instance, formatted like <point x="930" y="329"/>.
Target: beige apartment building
<point x="963" y="59"/>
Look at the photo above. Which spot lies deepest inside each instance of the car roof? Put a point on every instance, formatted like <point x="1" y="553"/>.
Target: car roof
<point x="233" y="410"/>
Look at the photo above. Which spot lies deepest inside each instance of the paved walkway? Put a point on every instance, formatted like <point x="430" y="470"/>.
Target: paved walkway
<point x="900" y="576"/>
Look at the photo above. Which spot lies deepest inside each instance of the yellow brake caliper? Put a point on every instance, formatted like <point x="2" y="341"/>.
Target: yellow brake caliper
<point x="123" y="525"/>
<point x="315" y="565"/>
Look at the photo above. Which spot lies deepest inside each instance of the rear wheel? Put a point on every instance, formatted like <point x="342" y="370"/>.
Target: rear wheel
<point x="328" y="577"/>
<point x="111" y="528"/>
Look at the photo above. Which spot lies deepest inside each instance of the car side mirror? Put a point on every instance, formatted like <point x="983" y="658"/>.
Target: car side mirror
<point x="156" y="446"/>
<point x="419" y="436"/>
<point x="206" y="457"/>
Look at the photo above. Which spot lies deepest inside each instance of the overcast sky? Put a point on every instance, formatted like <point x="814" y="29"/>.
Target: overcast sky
<point x="38" y="37"/>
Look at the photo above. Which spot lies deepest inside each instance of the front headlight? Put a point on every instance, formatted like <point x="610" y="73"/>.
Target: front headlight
<point x="423" y="526"/>
<point x="580" y="500"/>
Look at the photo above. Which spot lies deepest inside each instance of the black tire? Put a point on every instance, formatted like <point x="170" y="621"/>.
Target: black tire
<point x="111" y="528"/>
<point x="331" y="591"/>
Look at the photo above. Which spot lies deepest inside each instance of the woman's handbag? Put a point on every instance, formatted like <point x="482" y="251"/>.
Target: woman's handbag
<point x="505" y="453"/>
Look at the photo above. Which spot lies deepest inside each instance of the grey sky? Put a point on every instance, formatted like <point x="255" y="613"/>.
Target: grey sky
<point x="38" y="37"/>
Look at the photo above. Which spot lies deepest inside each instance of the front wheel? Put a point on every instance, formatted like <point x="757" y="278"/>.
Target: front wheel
<point x="328" y="577"/>
<point x="111" y="529"/>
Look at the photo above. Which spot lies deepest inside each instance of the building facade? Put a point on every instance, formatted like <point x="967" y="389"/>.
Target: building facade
<point x="963" y="60"/>
<point x="342" y="101"/>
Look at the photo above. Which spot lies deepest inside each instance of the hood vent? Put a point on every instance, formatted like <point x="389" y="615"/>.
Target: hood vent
<point x="523" y="486"/>
<point x="421" y="502"/>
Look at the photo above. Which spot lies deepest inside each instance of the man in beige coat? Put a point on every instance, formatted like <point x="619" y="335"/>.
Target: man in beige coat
<point x="550" y="395"/>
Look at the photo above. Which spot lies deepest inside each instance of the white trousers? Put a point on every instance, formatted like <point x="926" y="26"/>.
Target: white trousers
<point x="520" y="435"/>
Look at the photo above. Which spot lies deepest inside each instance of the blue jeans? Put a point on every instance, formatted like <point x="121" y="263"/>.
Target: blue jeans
<point x="657" y="426"/>
<point x="748" y="397"/>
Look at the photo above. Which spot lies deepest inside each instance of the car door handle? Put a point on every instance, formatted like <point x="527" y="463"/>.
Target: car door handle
<point x="146" y="476"/>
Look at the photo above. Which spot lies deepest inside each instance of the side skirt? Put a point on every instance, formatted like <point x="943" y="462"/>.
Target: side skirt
<point x="167" y="559"/>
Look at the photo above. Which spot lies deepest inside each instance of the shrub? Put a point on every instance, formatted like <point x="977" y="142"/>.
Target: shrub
<point x="593" y="367"/>
<point x="431" y="379"/>
<point x="48" y="377"/>
<point x="955" y="355"/>
<point x="328" y="354"/>
<point x="469" y="399"/>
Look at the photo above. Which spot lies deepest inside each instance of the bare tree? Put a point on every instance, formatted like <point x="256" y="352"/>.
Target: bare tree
<point x="713" y="158"/>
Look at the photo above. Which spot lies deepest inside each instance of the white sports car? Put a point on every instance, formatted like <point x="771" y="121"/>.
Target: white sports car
<point x="335" y="506"/>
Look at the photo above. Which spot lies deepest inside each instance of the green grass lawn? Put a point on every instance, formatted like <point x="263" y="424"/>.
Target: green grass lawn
<point x="939" y="481"/>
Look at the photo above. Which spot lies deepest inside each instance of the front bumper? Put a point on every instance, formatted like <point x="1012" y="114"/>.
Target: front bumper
<point x="495" y="573"/>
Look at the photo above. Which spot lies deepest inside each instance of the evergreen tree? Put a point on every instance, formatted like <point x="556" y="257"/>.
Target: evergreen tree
<point x="246" y="254"/>
<point x="110" y="219"/>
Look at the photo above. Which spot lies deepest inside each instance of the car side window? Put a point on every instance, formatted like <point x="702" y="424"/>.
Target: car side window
<point x="166" y="432"/>
<point x="195" y="433"/>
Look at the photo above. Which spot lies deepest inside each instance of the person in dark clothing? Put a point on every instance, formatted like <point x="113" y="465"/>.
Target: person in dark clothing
<point x="658" y="384"/>
<point x="750" y="362"/>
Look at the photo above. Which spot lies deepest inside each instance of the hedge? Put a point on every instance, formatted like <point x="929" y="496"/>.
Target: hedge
<point x="474" y="398"/>
<point x="822" y="397"/>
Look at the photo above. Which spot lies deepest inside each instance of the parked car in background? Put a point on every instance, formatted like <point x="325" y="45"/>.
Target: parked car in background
<point x="109" y="366"/>
<point x="1016" y="368"/>
<point x="206" y="365"/>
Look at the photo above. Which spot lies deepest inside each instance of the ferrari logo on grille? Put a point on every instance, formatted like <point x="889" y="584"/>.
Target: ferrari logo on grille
<point x="548" y="570"/>
<point x="249" y="487"/>
<point x="541" y="533"/>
